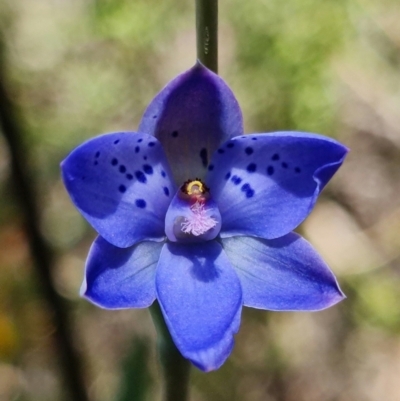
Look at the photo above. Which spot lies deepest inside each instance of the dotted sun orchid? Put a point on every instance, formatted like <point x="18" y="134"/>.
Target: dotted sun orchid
<point x="193" y="213"/>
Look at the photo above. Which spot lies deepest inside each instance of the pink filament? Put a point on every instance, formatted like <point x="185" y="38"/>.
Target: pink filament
<point x="198" y="223"/>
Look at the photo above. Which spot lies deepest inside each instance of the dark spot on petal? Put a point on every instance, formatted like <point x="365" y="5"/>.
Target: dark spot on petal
<point x="129" y="176"/>
<point x="83" y="178"/>
<point x="97" y="154"/>
<point x="144" y="157"/>
<point x="122" y="169"/>
<point x="284" y="165"/>
<point x="204" y="157"/>
<point x="220" y="151"/>
<point x="140" y="176"/>
<point x="114" y="161"/>
<point x="122" y="188"/>
<point x="236" y="180"/>
<point x="151" y="144"/>
<point x="275" y="157"/>
<point x="249" y="150"/>
<point x="163" y="173"/>
<point x="96" y="163"/>
<point x="155" y="116"/>
<point x="140" y="140"/>
<point x="243" y="137"/>
<point x="270" y="170"/>
<point x="297" y="169"/>
<point x="254" y="138"/>
<point x="166" y="191"/>
<point x="227" y="175"/>
<point x="148" y="169"/>
<point x="248" y="190"/>
<point x="174" y="134"/>
<point x="137" y="149"/>
<point x="116" y="141"/>
<point x="252" y="167"/>
<point x="211" y="167"/>
<point x="230" y="145"/>
<point x="140" y="203"/>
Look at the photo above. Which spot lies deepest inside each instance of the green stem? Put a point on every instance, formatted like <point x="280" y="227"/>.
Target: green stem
<point x="207" y="33"/>
<point x="175" y="368"/>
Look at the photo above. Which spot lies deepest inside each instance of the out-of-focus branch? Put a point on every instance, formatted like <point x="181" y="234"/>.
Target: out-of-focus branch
<point x="42" y="255"/>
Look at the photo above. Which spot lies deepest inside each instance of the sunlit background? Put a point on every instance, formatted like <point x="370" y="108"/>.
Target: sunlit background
<point x="78" y="68"/>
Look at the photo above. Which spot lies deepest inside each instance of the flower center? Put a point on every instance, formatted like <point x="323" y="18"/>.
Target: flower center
<point x="198" y="221"/>
<point x="193" y="215"/>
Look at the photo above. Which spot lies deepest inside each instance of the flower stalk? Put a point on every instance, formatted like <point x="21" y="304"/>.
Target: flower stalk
<point x="207" y="33"/>
<point x="175" y="368"/>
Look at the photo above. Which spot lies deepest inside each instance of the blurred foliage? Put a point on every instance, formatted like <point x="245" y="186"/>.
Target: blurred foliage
<point x="376" y="305"/>
<point x="78" y="68"/>
<point x="284" y="53"/>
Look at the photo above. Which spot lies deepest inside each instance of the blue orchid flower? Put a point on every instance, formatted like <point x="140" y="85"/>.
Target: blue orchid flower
<point x="193" y="213"/>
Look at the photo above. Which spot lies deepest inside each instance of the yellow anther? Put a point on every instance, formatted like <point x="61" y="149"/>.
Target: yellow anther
<point x="195" y="187"/>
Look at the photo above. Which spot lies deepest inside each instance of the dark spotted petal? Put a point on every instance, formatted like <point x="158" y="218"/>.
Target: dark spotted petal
<point x="121" y="184"/>
<point x="265" y="185"/>
<point x="191" y="117"/>
<point x="282" y="274"/>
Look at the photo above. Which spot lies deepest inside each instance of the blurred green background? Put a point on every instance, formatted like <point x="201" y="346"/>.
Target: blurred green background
<point x="78" y="68"/>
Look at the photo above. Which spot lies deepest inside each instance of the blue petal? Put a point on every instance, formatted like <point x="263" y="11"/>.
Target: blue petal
<point x="120" y="183"/>
<point x="282" y="274"/>
<point x="265" y="185"/>
<point x="191" y="117"/>
<point x="200" y="296"/>
<point x="118" y="278"/>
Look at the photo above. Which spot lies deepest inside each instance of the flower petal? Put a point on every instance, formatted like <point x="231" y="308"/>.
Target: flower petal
<point x="265" y="185"/>
<point x="191" y="117"/>
<point x="200" y="296"/>
<point x="282" y="274"/>
<point x="118" y="278"/>
<point x="120" y="183"/>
